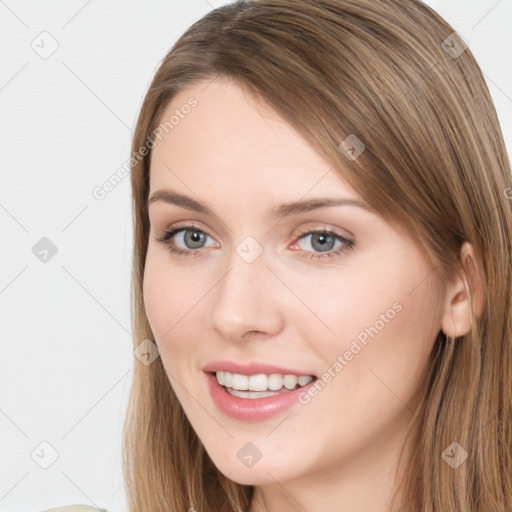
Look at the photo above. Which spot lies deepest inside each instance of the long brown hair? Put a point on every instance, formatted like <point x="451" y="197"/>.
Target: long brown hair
<point x="397" y="77"/>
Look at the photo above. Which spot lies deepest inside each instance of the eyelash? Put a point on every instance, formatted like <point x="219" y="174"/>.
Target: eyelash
<point x="168" y="234"/>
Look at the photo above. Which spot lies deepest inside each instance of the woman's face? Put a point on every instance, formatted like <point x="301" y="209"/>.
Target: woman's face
<point x="355" y="305"/>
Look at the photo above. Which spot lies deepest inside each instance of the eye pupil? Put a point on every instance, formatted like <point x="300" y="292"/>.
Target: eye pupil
<point x="194" y="237"/>
<point x="324" y="240"/>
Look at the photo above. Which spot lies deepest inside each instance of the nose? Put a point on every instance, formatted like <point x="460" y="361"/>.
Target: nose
<point x="246" y="302"/>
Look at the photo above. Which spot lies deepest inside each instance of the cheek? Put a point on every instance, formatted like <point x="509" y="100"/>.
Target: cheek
<point x="341" y="307"/>
<point x="157" y="299"/>
<point x="167" y="299"/>
<point x="375" y="364"/>
<point x="379" y="320"/>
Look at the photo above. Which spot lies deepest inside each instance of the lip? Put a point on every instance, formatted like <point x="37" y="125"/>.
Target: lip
<point x="252" y="368"/>
<point x="252" y="409"/>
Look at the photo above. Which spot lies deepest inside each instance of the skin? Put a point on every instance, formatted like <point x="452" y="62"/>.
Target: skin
<point x="339" y="451"/>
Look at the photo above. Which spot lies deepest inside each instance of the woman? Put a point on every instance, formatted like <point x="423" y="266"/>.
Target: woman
<point x="322" y="276"/>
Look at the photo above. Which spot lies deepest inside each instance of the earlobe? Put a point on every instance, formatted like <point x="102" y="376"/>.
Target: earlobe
<point x="465" y="298"/>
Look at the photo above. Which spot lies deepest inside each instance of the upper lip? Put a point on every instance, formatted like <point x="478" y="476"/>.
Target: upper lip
<point x="251" y="368"/>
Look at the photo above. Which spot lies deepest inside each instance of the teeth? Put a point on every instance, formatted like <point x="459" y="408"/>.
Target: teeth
<point x="257" y="382"/>
<point x="240" y="382"/>
<point x="275" y="381"/>
<point x="304" y="379"/>
<point x="261" y="382"/>
<point x="250" y="394"/>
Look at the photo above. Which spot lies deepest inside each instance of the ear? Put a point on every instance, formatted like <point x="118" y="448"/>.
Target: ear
<point x="458" y="315"/>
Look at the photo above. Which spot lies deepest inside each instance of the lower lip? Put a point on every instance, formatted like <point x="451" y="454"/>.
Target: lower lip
<point x="252" y="409"/>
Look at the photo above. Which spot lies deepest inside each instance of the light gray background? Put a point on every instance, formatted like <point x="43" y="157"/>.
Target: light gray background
<point x="65" y="127"/>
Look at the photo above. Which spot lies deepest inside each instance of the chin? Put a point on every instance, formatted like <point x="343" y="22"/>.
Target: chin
<point x="253" y="476"/>
<point x="240" y="468"/>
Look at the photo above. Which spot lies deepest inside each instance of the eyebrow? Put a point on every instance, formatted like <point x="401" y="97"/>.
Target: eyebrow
<point x="294" y="208"/>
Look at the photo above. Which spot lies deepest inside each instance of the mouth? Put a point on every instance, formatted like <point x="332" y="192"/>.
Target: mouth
<point x="260" y="385"/>
<point x="258" y="401"/>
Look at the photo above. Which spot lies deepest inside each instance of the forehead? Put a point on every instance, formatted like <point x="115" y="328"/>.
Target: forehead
<point x="232" y="140"/>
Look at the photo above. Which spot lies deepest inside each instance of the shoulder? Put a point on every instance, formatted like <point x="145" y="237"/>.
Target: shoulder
<point x="75" y="508"/>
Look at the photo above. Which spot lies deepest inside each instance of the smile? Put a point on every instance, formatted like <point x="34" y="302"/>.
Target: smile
<point x="261" y="385"/>
<point x="255" y="397"/>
